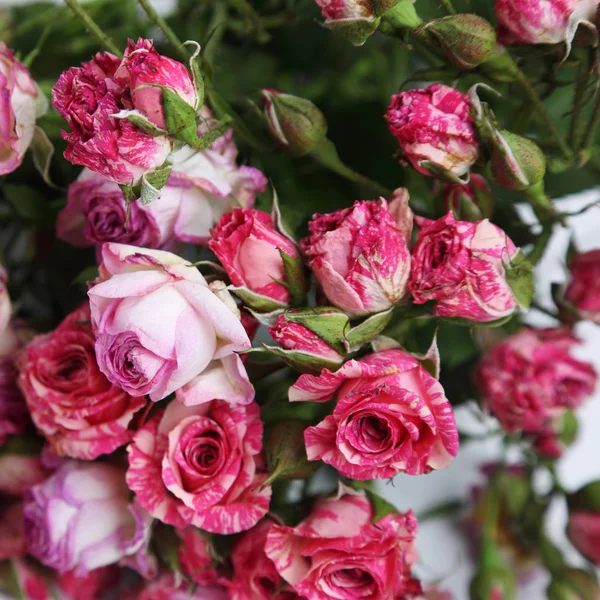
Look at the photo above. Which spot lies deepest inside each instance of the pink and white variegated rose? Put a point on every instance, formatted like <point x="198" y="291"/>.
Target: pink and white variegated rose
<point x="18" y="100"/>
<point x="542" y="21"/>
<point x="530" y="379"/>
<point x="462" y="267"/>
<point x="195" y="558"/>
<point x="81" y="413"/>
<point x="360" y="255"/>
<point x="201" y="466"/>
<point x="161" y="329"/>
<point x="89" y="97"/>
<point x="338" y="552"/>
<point x="247" y="245"/>
<point x="255" y="576"/>
<point x="336" y="10"/>
<point x="81" y="518"/>
<point x="391" y="416"/>
<point x="146" y="73"/>
<point x="583" y="291"/>
<point x="434" y="125"/>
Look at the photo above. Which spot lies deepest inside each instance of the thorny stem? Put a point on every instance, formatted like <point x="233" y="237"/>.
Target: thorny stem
<point x="165" y="28"/>
<point x="91" y="26"/>
<point x="575" y="129"/>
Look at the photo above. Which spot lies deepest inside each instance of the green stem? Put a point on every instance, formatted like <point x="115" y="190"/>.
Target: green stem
<point x="447" y="4"/>
<point x="575" y="129"/>
<point x="165" y="28"/>
<point x="590" y="132"/>
<point x="28" y="60"/>
<point x="540" y="244"/>
<point x="91" y="26"/>
<point x="540" y="308"/>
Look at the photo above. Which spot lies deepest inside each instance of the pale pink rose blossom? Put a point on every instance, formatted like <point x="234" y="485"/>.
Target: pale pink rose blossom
<point x="18" y="99"/>
<point x="360" y="256"/>
<point x="391" y="416"/>
<point x="338" y="552"/>
<point x="201" y="466"/>
<point x="160" y="328"/>
<point x="434" y="125"/>
<point x="583" y="291"/>
<point x="461" y="266"/>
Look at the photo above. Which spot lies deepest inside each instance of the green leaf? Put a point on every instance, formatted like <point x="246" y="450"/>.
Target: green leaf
<point x="301" y="361"/>
<point x="381" y="507"/>
<point x="295" y="278"/>
<point x="257" y="302"/>
<point x="153" y="182"/>
<point x="135" y="117"/>
<point x="43" y="150"/>
<point x="329" y="323"/>
<point x="88" y="274"/>
<point x="179" y="115"/>
<point x="519" y="276"/>
<point x="368" y="330"/>
<point x="29" y="203"/>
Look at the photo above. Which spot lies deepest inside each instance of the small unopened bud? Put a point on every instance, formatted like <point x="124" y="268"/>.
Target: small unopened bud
<point x="296" y="123"/>
<point x="466" y="40"/>
<point x="517" y="163"/>
<point x="469" y="202"/>
<point x="493" y="579"/>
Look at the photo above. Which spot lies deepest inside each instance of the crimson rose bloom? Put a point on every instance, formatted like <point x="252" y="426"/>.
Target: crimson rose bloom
<point x="583" y="291"/>
<point x="71" y="402"/>
<point x="434" y="125"/>
<point x="391" y="417"/>
<point x="529" y="379"/>
<point x="338" y="552"/>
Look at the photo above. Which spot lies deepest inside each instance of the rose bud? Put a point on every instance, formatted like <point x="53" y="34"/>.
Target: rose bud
<point x="583" y="290"/>
<point x="471" y="201"/>
<point x="517" y="163"/>
<point x="435" y="130"/>
<point x="296" y="123"/>
<point x="359" y="256"/>
<point x="18" y="101"/>
<point x="338" y="552"/>
<point x="89" y="97"/>
<point x="201" y="466"/>
<point x="583" y="527"/>
<point x="147" y="74"/>
<point x="80" y="518"/>
<point x="542" y="21"/>
<point x="159" y="327"/>
<point x="465" y="268"/>
<point x="367" y="436"/>
<point x="356" y="20"/>
<point x="530" y="379"/>
<point x="250" y="249"/>
<point x="466" y="40"/>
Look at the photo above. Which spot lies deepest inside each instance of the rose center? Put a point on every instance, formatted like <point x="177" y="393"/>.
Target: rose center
<point x="354" y="581"/>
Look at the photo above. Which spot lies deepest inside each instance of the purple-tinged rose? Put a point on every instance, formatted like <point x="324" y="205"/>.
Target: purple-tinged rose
<point x="18" y="99"/>
<point x="434" y="125"/>
<point x="201" y="466"/>
<point x="391" y="416"/>
<point x="80" y="518"/>
<point x="583" y="291"/>
<point x="462" y="267"/>
<point x="360" y="255"/>
<point x="161" y="329"/>
<point x="530" y="379"/>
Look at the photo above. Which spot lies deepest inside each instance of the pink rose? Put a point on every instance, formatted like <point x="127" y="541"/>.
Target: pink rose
<point x="14" y="416"/>
<point x="246" y="243"/>
<point x="583" y="291"/>
<point x="391" y="416"/>
<point x="255" y="576"/>
<point x="338" y="552"/>
<point x="336" y="10"/>
<point x="80" y="518"/>
<point x="529" y="379"/>
<point x="169" y="587"/>
<point x="583" y="530"/>
<point x="160" y="329"/>
<point x="194" y="554"/>
<point x="19" y="472"/>
<point x="201" y="466"/>
<point x="18" y="99"/>
<point x="5" y="305"/>
<point x="433" y="125"/>
<point x="461" y="266"/>
<point x="88" y="97"/>
<point x="359" y="256"/>
<point x="91" y="587"/>
<point x="71" y="402"/>
<point x="541" y="21"/>
<point x="143" y="69"/>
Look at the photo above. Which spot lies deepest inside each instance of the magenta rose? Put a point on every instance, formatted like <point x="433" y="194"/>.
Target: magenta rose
<point x="359" y="256"/>
<point x="462" y="267"/>
<point x="338" y="552"/>
<point x="80" y="518"/>
<point x="391" y="416"/>
<point x="194" y="555"/>
<point x="542" y="21"/>
<point x="88" y="97"/>
<point x="583" y="527"/>
<point x="583" y="291"/>
<point x="434" y="125"/>
<point x="145" y="72"/>
<point x="71" y="401"/>
<point x="529" y="379"/>
<point x="201" y="466"/>
<point x="336" y="10"/>
<point x="161" y="329"/>
<point x="14" y="416"/>
<point x="18" y="99"/>
<point x="5" y="304"/>
<point x="247" y="244"/>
